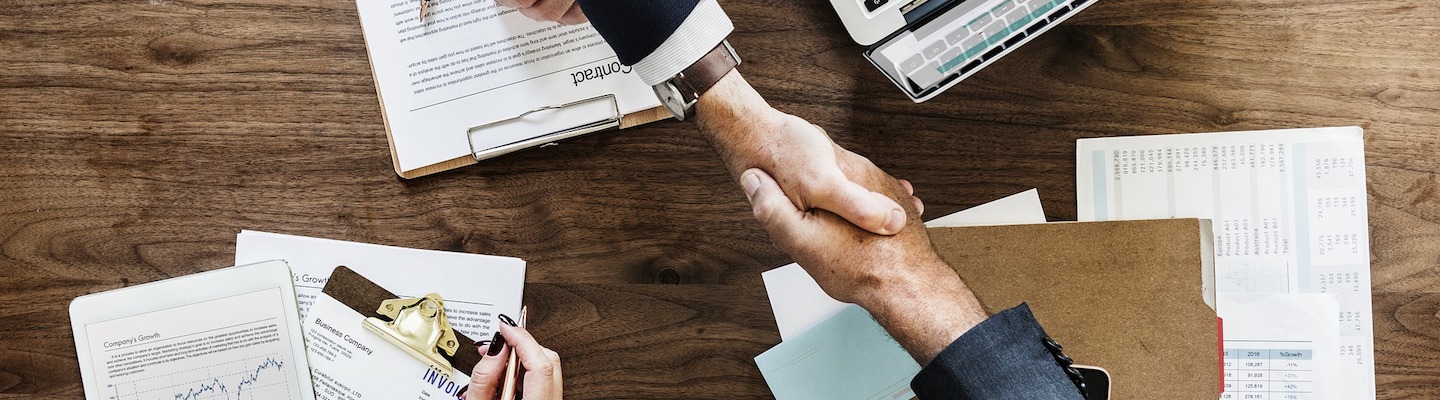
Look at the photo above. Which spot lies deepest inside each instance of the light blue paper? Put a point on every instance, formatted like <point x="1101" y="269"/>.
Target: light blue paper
<point x="848" y="356"/>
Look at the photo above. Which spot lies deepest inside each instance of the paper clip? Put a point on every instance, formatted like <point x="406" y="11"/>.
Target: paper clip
<point x="610" y="121"/>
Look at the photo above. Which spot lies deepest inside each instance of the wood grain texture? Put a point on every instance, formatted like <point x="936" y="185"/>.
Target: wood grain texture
<point x="141" y="135"/>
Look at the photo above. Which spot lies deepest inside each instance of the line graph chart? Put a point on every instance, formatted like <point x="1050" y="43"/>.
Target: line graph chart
<point x="262" y="377"/>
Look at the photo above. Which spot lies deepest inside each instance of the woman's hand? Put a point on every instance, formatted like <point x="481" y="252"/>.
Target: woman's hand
<point x="539" y="367"/>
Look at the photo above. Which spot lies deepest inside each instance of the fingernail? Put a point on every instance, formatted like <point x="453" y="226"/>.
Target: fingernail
<point x="482" y="343"/>
<point x="896" y="222"/>
<point x="496" y="344"/>
<point x="507" y="320"/>
<point x="751" y="183"/>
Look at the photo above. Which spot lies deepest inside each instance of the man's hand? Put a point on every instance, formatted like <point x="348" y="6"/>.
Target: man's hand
<point x="900" y="279"/>
<point x="850" y="264"/>
<point x="748" y="133"/>
<point x="566" y="12"/>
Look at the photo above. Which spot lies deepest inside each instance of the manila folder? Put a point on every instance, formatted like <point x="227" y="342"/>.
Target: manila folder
<point x="1127" y="296"/>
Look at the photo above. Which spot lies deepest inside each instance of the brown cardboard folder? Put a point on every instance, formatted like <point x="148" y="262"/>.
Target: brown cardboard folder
<point x="364" y="296"/>
<point x="1128" y="296"/>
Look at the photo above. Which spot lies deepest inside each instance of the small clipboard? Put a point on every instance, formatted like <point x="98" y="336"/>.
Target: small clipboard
<point x="369" y="299"/>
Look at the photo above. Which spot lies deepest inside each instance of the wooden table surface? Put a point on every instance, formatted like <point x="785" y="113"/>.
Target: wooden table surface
<point x="140" y="136"/>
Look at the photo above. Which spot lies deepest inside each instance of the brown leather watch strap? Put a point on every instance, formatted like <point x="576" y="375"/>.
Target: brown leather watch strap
<point x="704" y="73"/>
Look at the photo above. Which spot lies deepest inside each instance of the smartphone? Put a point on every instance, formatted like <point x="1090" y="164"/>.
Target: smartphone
<point x="1097" y="382"/>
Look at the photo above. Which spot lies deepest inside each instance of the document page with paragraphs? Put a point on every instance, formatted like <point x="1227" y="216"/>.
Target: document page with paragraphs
<point x="470" y="62"/>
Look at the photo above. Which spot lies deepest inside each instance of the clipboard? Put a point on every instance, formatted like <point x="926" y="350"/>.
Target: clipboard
<point x="617" y="121"/>
<point x="397" y="56"/>
<point x="368" y="299"/>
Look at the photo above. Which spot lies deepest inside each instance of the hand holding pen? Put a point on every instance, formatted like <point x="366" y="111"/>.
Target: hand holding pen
<point x="514" y="350"/>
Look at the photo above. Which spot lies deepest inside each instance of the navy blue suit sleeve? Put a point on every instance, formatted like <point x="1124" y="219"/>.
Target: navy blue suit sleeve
<point x="1002" y="358"/>
<point x="636" y="28"/>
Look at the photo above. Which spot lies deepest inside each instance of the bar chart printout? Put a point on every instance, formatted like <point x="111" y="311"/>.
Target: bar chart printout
<point x="1288" y="208"/>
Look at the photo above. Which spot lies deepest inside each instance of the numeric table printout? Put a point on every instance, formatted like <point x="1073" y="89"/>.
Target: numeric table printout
<point x="1289" y="211"/>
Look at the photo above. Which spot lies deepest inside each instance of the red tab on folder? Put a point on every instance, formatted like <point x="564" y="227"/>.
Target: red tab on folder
<point x="1220" y="333"/>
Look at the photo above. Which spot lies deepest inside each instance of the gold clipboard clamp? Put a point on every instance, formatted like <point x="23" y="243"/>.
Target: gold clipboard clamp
<point x="611" y="121"/>
<point x="418" y="326"/>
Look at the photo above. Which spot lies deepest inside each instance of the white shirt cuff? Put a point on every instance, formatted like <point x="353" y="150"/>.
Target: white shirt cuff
<point x="702" y="30"/>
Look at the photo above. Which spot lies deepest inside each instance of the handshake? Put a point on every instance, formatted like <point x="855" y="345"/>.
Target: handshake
<point x="853" y="227"/>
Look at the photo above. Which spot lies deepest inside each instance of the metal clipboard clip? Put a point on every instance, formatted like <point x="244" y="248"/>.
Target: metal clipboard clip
<point x="610" y="121"/>
<point x="418" y="326"/>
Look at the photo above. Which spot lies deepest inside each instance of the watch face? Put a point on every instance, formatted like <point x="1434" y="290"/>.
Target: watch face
<point x="670" y="97"/>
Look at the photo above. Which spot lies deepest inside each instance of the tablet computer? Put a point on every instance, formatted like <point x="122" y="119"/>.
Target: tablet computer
<point x="224" y="334"/>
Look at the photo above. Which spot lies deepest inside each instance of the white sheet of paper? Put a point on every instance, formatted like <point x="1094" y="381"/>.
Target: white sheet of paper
<point x="1280" y="346"/>
<point x="799" y="303"/>
<point x="349" y="362"/>
<point x="1289" y="211"/>
<point x="474" y="62"/>
<point x="475" y="287"/>
<point x="1015" y="209"/>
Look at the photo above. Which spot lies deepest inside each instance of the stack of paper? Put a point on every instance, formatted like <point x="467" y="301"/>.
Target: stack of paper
<point x="350" y="362"/>
<point x="1289" y="212"/>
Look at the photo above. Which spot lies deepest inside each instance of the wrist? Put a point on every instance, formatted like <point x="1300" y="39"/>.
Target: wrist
<point x="892" y="287"/>
<point x="732" y="116"/>
<point x="732" y="102"/>
<point x="925" y="309"/>
<point x="680" y="93"/>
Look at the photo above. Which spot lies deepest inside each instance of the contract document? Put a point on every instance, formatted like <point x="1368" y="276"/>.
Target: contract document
<point x="470" y="62"/>
<point x="1289" y="212"/>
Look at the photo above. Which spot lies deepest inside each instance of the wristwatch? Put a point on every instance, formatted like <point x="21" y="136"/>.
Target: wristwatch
<point x="680" y="92"/>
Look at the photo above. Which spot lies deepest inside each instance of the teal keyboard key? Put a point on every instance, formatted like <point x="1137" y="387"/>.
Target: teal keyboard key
<point x="950" y="55"/>
<point x="974" y="52"/>
<point x="972" y="42"/>
<point x="951" y="65"/>
<point x="1045" y="8"/>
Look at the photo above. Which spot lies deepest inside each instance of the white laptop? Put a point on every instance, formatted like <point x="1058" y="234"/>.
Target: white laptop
<point x="927" y="46"/>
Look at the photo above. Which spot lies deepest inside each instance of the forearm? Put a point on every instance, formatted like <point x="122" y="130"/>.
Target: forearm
<point x="730" y="115"/>
<point x="925" y="310"/>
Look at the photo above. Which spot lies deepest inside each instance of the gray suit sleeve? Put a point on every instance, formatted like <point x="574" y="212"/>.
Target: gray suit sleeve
<point x="1004" y="357"/>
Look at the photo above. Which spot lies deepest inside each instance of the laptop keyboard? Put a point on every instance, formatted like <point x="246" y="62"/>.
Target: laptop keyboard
<point x="968" y="45"/>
